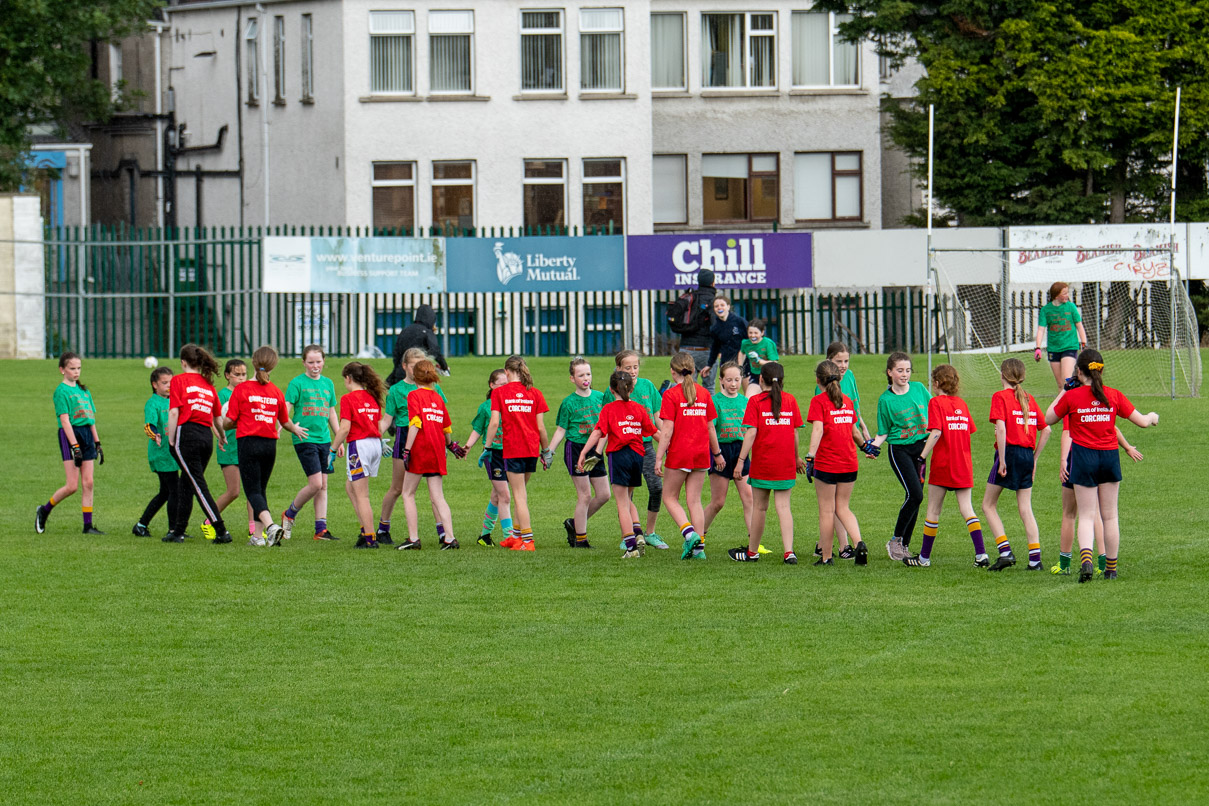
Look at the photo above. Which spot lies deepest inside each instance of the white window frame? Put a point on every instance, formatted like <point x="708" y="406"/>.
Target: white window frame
<point x="469" y="34"/>
<point x="115" y="71"/>
<point x="683" y="52"/>
<point x="251" y="36"/>
<point x="395" y="183"/>
<point x="562" y="48"/>
<point x="306" y="40"/>
<point x="406" y="31"/>
<point x="279" y="59"/>
<point x="585" y="31"/>
<point x="472" y="182"/>
<point x="619" y="179"/>
<point x="832" y="36"/>
<point x="563" y="180"/>
<point x="748" y="34"/>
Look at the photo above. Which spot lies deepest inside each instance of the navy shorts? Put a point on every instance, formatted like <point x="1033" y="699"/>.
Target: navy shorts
<point x="1090" y="467"/>
<point x="494" y="465"/>
<point x="730" y="452"/>
<point x="1054" y="358"/>
<point x="313" y="457"/>
<point x="88" y="448"/>
<point x="521" y="464"/>
<point x="1020" y="461"/>
<point x="625" y="468"/>
<point x="1066" y="484"/>
<point x="571" y="451"/>
<point x="834" y="478"/>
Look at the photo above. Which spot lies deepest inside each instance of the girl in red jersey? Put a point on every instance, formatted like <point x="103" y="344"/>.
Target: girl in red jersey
<point x="254" y="410"/>
<point x="1094" y="464"/>
<point x="1016" y="416"/>
<point x="624" y="424"/>
<point x="772" y="421"/>
<point x="192" y="432"/>
<point x="1070" y="508"/>
<point x="360" y="414"/>
<point x="429" y="433"/>
<point x="949" y="427"/>
<point x="835" y="433"/>
<point x="688" y="415"/>
<point x="499" y="503"/>
<point x="518" y="406"/>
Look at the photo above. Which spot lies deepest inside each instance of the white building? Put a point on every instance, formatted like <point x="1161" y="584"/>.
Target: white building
<point x="651" y="115"/>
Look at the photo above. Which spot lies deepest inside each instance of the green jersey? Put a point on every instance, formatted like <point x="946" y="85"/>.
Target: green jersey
<point x="312" y="400"/>
<point x="904" y="418"/>
<point x="76" y="403"/>
<point x="1060" y="321"/>
<point x="155" y="414"/>
<point x="757" y="353"/>
<point x="847" y="387"/>
<point x="577" y="414"/>
<point x="230" y="454"/>
<point x="482" y="418"/>
<point x="396" y="400"/>
<point x="730" y="417"/>
<point x="646" y="395"/>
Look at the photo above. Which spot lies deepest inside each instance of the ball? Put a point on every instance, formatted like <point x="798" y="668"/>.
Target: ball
<point x="150" y="363"/>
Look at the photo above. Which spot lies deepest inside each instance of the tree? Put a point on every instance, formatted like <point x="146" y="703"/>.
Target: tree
<point x="1055" y="112"/>
<point x="46" y="67"/>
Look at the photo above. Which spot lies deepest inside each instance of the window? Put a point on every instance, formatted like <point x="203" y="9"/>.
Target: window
<point x="739" y="187"/>
<point x="541" y="51"/>
<point x="545" y="193"/>
<point x="307" y="41"/>
<point x="394" y="185"/>
<point x="820" y="57"/>
<point x="453" y="195"/>
<point x="451" y="38"/>
<point x="279" y="60"/>
<point x="115" y="70"/>
<point x="251" y="36"/>
<point x="669" y="177"/>
<point x="600" y="49"/>
<point x="604" y="195"/>
<point x="667" y="52"/>
<point x="827" y="187"/>
<point x="390" y="51"/>
<point x="738" y="50"/>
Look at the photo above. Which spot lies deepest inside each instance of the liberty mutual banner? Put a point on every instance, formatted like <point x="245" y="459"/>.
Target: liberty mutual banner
<point x="738" y="260"/>
<point x="334" y="265"/>
<point x="554" y="263"/>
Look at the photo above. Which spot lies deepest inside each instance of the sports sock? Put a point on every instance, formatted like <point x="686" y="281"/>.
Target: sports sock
<point x="1110" y="564"/>
<point x="49" y="505"/>
<point x="87" y="516"/>
<point x="252" y="527"/>
<point x="506" y="526"/>
<point x="631" y="542"/>
<point x="489" y="518"/>
<point x="320" y="525"/>
<point x="441" y="531"/>
<point x="1102" y="561"/>
<point x="930" y="530"/>
<point x="1085" y="556"/>
<point x="584" y="536"/>
<point x="751" y="553"/>
<point x="1034" y="554"/>
<point x="1003" y="545"/>
<point x="975" y="528"/>
<point x="638" y="529"/>
<point x="383" y="526"/>
<point x="291" y="511"/>
<point x="526" y="535"/>
<point x="687" y="531"/>
<point x="1064" y="560"/>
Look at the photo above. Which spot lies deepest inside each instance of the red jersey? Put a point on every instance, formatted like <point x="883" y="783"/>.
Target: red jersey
<point x="257" y="409"/>
<point x="773" y="455"/>
<point x="519" y="410"/>
<point x="195" y="397"/>
<point x="1091" y="423"/>
<point x="837" y="449"/>
<point x="624" y="424"/>
<point x="1021" y="429"/>
<point x="363" y="414"/>
<point x="426" y="407"/>
<point x="688" y="448"/>
<point x="952" y="463"/>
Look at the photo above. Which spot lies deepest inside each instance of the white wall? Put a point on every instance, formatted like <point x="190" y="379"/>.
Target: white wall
<point x="900" y="257"/>
<point x="22" y="278"/>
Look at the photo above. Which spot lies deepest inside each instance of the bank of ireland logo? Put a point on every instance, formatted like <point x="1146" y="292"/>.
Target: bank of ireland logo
<point x="508" y="265"/>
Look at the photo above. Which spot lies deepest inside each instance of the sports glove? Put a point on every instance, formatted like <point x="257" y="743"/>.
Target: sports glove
<point x="810" y="469"/>
<point x="331" y="461"/>
<point x="390" y="429"/>
<point x="753" y="356"/>
<point x="100" y="454"/>
<point x="921" y="465"/>
<point x="483" y="459"/>
<point x="405" y="454"/>
<point x="456" y="449"/>
<point x="1037" y="354"/>
<point x="590" y="461"/>
<point x="547" y="457"/>
<point x="870" y="449"/>
<point x="1071" y="383"/>
<point x="77" y="456"/>
<point x="385" y="446"/>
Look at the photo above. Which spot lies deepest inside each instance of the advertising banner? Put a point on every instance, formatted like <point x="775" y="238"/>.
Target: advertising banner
<point x="738" y="260"/>
<point x="1096" y="253"/>
<point x="354" y="265"/>
<point x="554" y="263"/>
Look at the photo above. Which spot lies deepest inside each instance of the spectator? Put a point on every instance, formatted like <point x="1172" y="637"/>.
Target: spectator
<point x="697" y="342"/>
<point x="420" y="333"/>
<point x="728" y="331"/>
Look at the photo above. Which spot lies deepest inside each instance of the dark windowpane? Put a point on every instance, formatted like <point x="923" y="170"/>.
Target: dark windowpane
<point x="394" y="207"/>
<point x="604" y="203"/>
<point x="550" y="169"/>
<point x="607" y="168"/>
<point x="725" y="199"/>
<point x="451" y="170"/>
<point x="544" y="206"/>
<point x="453" y="206"/>
<point x="392" y="170"/>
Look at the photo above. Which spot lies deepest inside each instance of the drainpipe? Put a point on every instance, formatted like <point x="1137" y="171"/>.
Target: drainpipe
<point x="264" y="105"/>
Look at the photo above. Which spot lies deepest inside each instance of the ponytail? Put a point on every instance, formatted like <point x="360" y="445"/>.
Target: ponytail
<point x="1095" y="374"/>
<point x="200" y="359"/>
<point x="264" y="360"/>
<point x="1012" y="372"/>
<point x="516" y="365"/>
<point x="684" y="366"/>
<point x="364" y="375"/>
<point x="827" y="375"/>
<point x="773" y="374"/>
<point x="622" y="384"/>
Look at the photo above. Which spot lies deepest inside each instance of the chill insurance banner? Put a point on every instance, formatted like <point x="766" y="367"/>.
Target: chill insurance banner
<point x="354" y="265"/>
<point x="553" y="263"/>
<point x="738" y="260"/>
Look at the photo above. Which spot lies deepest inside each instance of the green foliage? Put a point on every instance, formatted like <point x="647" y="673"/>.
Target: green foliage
<point x="45" y="67"/>
<point x="1048" y="112"/>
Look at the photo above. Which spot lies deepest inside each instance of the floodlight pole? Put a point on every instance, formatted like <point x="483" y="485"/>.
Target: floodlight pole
<point x="928" y="313"/>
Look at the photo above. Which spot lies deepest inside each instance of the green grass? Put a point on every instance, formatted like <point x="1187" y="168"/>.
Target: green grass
<point x="137" y="672"/>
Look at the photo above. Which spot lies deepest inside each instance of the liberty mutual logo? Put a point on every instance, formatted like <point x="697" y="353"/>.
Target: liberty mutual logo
<point x="508" y="265"/>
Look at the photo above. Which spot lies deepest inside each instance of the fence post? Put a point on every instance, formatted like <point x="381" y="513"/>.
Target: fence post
<point x="81" y="273"/>
<point x="537" y="324"/>
<point x="170" y="250"/>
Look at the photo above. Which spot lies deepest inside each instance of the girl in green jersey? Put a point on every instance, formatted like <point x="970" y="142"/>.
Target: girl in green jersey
<point x="79" y="444"/>
<point x="499" y="505"/>
<point x="757" y="350"/>
<point x="577" y="416"/>
<point x="1060" y="330"/>
<point x="312" y="401"/>
<point x="902" y="420"/>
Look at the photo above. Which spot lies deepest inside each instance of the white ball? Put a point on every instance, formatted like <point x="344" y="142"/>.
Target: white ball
<point x="150" y="363"/>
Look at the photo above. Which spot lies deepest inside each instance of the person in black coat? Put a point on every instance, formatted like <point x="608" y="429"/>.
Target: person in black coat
<point x="420" y="333"/>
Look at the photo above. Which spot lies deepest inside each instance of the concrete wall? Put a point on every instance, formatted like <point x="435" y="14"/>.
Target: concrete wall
<point x="22" y="283"/>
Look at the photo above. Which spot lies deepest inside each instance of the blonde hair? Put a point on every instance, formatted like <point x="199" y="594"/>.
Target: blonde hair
<point x="683" y="365"/>
<point x="1012" y="372"/>
<point x="516" y="365"/>
<point x="265" y="361"/>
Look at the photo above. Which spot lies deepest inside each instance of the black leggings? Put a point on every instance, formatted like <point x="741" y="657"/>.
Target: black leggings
<point x="257" y="455"/>
<point x="194" y="446"/>
<point x="907" y="467"/>
<point x="167" y="495"/>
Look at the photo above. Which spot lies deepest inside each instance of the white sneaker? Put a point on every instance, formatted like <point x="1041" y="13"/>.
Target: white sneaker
<point x="256" y="541"/>
<point x="897" y="551"/>
<point x="287" y="527"/>
<point x="272" y="535"/>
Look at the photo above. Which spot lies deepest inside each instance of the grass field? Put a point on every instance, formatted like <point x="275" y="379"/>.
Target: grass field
<point x="132" y="671"/>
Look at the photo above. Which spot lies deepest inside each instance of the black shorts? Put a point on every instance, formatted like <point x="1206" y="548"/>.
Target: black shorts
<point x="1090" y="467"/>
<point x="1067" y="484"/>
<point x="494" y="465"/>
<point x="1054" y="358"/>
<point x="313" y="457"/>
<point x="88" y="448"/>
<point x="571" y="451"/>
<point x="625" y="468"/>
<point x="1020" y="461"/>
<point x="730" y="452"/>
<point x="521" y="464"/>
<point x="834" y="478"/>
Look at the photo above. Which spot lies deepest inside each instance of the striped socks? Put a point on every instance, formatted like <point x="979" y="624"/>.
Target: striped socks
<point x="1001" y="543"/>
<point x="489" y="518"/>
<point x="506" y="527"/>
<point x="1034" y="554"/>
<point x="631" y="542"/>
<point x="383" y="526"/>
<point x="291" y="512"/>
<point x="320" y="525"/>
<point x="975" y="529"/>
<point x="87" y="516"/>
<point x="1110" y="565"/>
<point x="930" y="530"/>
<point x="1085" y="556"/>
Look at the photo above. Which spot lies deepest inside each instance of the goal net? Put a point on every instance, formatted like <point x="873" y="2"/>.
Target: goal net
<point x="1135" y="312"/>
